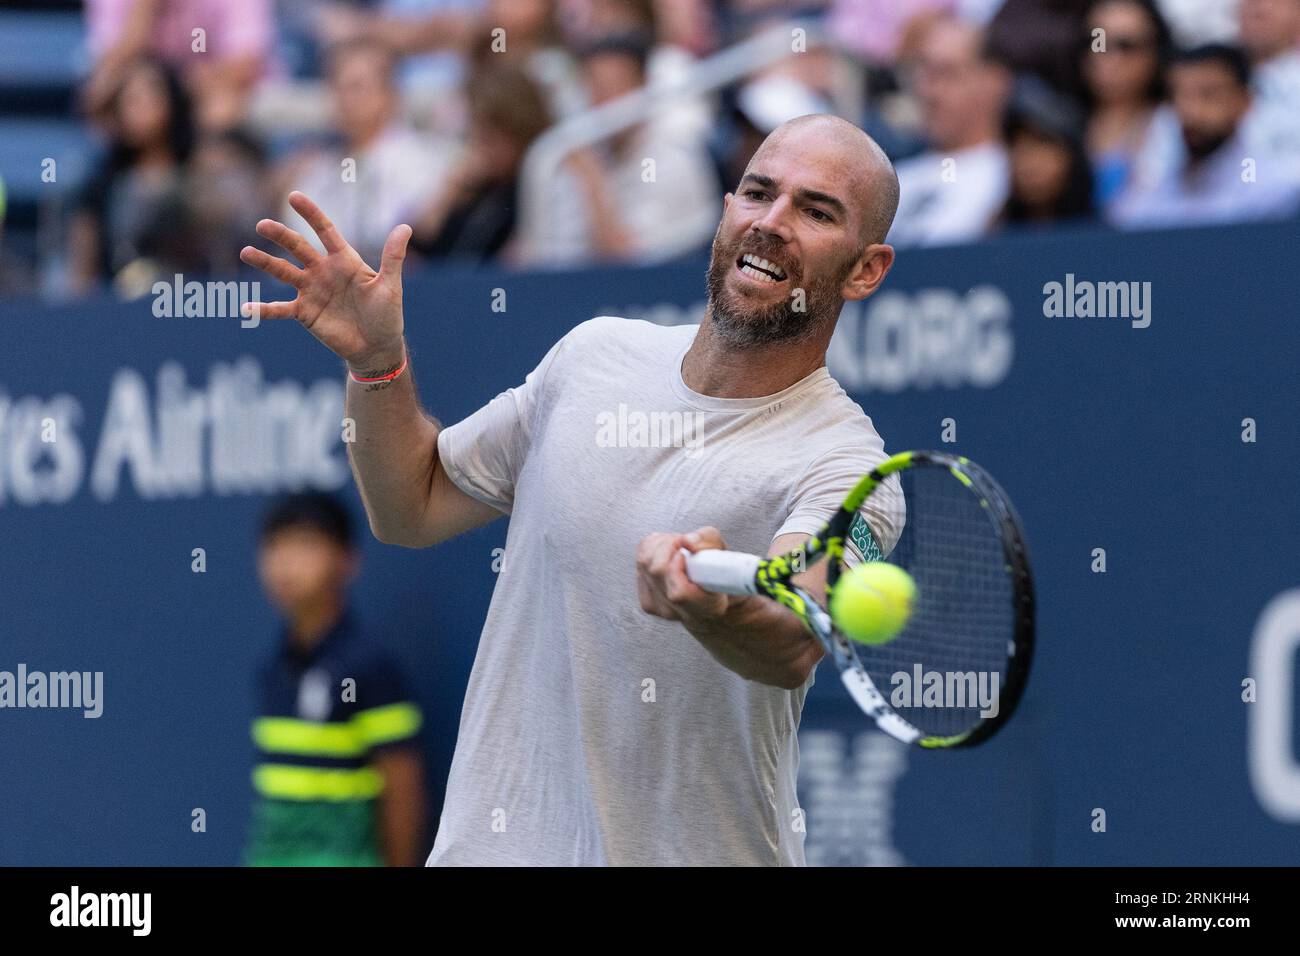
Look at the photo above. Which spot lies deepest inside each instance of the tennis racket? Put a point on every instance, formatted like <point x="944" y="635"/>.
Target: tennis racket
<point x="953" y="676"/>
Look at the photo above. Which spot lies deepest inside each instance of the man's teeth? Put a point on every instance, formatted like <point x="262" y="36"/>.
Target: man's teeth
<point x="752" y="265"/>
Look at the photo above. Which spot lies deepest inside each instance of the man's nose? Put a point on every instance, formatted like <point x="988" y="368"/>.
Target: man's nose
<point x="777" y="219"/>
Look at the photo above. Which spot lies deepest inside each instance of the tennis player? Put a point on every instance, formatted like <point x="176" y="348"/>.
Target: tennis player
<point x="616" y="713"/>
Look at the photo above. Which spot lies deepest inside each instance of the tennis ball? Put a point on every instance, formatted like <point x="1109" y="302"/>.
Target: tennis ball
<point x="872" y="601"/>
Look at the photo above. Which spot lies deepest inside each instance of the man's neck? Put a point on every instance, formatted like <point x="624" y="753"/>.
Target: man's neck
<point x="713" y="368"/>
<point x="1122" y="111"/>
<point x="1278" y="55"/>
<point x="364" y="142"/>
<point x="621" y="143"/>
<point x="309" y="625"/>
<point x="973" y="140"/>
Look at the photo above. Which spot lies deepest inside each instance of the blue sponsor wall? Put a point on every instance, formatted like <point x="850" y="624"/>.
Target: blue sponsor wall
<point x="171" y="432"/>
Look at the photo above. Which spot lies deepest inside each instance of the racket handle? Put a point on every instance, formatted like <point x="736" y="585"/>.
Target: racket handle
<point x="726" y="572"/>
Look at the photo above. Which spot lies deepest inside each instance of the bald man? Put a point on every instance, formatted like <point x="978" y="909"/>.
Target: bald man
<point x="616" y="713"/>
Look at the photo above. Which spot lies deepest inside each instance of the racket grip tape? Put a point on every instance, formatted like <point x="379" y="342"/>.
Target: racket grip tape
<point x="726" y="572"/>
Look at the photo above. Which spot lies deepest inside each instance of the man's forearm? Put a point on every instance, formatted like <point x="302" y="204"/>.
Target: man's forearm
<point x="394" y="454"/>
<point x="761" y="641"/>
<point x="401" y="807"/>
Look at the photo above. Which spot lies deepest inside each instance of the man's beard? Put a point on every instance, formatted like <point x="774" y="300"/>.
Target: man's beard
<point x="1200" y="145"/>
<point x="744" y="327"/>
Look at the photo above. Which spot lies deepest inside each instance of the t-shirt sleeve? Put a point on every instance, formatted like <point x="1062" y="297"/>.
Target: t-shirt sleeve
<point x="821" y="490"/>
<point x="386" y="715"/>
<point x="484" y="454"/>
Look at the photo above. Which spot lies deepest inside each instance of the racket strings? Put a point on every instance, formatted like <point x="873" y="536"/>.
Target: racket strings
<point x="950" y="661"/>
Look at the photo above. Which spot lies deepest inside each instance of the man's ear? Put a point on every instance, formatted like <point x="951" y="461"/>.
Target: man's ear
<point x="871" y="270"/>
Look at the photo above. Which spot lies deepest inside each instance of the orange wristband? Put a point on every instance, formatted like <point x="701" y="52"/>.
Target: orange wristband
<point x="381" y="378"/>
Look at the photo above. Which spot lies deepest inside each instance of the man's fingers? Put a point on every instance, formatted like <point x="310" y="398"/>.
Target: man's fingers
<point x="648" y="548"/>
<point x="643" y="595"/>
<point x="288" y="240"/>
<point x="652" y="555"/>
<point x="678" y="586"/>
<point x="653" y="603"/>
<point x="273" y="266"/>
<point x="661" y="554"/>
<point x="319" y="222"/>
<point x="271" y="310"/>
<point x="663" y="586"/>
<point x="390" y="261"/>
<point x="702" y="539"/>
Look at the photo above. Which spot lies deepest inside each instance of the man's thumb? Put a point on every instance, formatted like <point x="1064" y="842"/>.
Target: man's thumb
<point x="390" y="261"/>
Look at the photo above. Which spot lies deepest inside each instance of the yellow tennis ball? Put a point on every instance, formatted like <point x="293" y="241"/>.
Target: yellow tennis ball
<point x="872" y="601"/>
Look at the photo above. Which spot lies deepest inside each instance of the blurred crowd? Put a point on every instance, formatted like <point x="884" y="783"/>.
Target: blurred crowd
<point x="999" y="114"/>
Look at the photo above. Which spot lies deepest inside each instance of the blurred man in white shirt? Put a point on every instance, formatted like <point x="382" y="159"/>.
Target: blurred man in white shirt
<point x="383" y="172"/>
<point x="1270" y="35"/>
<point x="952" y="192"/>
<point x="1216" y="175"/>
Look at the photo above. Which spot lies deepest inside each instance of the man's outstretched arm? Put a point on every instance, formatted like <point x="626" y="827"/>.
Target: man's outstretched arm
<point x="357" y="314"/>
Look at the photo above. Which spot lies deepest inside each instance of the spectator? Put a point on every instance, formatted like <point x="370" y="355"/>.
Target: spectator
<point x="1270" y="35"/>
<point x="1125" y="86"/>
<point x="474" y="214"/>
<point x="383" y="173"/>
<point x="1215" y="178"/>
<point x="339" y="779"/>
<point x="761" y="105"/>
<point x="689" y="25"/>
<point x="15" y="279"/>
<point x="219" y="66"/>
<point x="1051" y="181"/>
<point x="228" y="189"/>
<point x="646" y="196"/>
<point x="661" y="210"/>
<point x="875" y="29"/>
<point x="132" y="223"/>
<point x="674" y="36"/>
<point x="952" y="192"/>
<point x="431" y="39"/>
<point x="525" y="33"/>
<point x="1197" y="22"/>
<point x="1040" y="37"/>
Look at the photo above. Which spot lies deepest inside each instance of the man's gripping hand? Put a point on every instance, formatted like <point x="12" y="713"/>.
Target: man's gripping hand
<point x="662" y="584"/>
<point x="756" y="638"/>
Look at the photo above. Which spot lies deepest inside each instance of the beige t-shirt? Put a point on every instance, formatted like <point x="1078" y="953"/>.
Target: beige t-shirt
<point x="592" y="732"/>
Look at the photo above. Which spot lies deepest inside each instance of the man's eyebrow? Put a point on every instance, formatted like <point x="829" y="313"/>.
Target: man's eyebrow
<point x="811" y="195"/>
<point x="825" y="199"/>
<point x="767" y="182"/>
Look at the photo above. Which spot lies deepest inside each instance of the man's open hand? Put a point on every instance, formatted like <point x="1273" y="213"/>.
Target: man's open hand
<point x="355" y="311"/>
